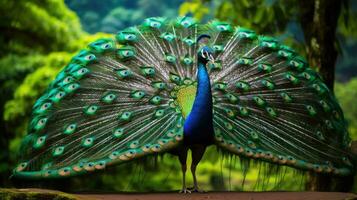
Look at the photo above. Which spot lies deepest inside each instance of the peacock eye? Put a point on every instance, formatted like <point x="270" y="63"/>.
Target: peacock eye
<point x="68" y="79"/>
<point x="158" y="85"/>
<point x="45" y="106"/>
<point x="222" y="27"/>
<point x="91" y="110"/>
<point x="155" y="24"/>
<point x="137" y="94"/>
<point x="125" y="116"/>
<point x="60" y="94"/>
<point x="42" y="121"/>
<point x="118" y="132"/>
<point x="130" y="37"/>
<point x="169" y="37"/>
<point x="185" y="23"/>
<point x="90" y="57"/>
<point x="127" y="53"/>
<point x="88" y="142"/>
<point x="106" y="46"/>
<point x="70" y="129"/>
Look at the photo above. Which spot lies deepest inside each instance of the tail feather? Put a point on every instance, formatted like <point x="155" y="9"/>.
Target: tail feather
<point x="273" y="107"/>
<point x="127" y="98"/>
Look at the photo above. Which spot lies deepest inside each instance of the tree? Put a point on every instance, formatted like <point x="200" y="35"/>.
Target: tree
<point x="319" y="21"/>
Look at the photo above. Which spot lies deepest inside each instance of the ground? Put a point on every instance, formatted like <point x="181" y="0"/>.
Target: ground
<point x="31" y="193"/>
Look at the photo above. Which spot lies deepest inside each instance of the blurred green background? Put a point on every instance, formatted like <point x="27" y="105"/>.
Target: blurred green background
<point x="38" y="38"/>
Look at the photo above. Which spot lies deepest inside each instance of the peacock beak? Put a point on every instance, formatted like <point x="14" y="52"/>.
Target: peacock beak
<point x="211" y="58"/>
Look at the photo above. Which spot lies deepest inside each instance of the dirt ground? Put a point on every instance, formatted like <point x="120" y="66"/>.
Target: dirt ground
<point x="225" y="196"/>
<point x="34" y="193"/>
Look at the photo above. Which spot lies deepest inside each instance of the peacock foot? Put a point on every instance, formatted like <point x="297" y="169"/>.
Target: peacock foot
<point x="185" y="191"/>
<point x="196" y="190"/>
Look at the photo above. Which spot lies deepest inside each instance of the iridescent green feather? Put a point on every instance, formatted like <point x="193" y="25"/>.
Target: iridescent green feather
<point x="282" y="106"/>
<point x="128" y="96"/>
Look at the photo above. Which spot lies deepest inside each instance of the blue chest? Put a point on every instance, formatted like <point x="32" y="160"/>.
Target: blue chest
<point x="198" y="127"/>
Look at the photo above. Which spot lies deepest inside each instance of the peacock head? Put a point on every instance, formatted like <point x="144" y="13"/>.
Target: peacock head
<point x="205" y="53"/>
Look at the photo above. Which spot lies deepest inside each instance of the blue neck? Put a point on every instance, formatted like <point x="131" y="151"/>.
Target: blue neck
<point x="198" y="127"/>
<point x="203" y="100"/>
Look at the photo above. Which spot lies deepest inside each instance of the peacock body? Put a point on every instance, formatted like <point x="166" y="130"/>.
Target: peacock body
<point x="170" y="86"/>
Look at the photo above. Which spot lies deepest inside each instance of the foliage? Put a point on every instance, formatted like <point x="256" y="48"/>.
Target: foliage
<point x="276" y="18"/>
<point x="347" y="94"/>
<point x="10" y="194"/>
<point x="33" y="26"/>
<point x="347" y="35"/>
<point x="114" y="15"/>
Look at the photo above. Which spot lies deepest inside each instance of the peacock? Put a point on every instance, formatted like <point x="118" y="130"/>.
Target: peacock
<point x="169" y="86"/>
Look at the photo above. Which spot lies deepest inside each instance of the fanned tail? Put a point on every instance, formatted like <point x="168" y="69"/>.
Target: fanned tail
<point x="126" y="98"/>
<point x="270" y="105"/>
<point x="114" y="102"/>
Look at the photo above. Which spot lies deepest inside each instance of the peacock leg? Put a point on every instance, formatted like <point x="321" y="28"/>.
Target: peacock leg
<point x="182" y="154"/>
<point x="197" y="154"/>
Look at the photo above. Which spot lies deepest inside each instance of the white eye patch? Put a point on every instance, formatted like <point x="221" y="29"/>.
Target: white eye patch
<point x="211" y="58"/>
<point x="205" y="54"/>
